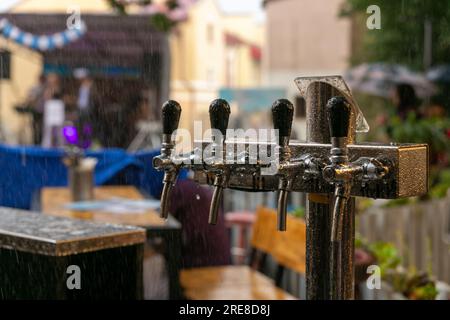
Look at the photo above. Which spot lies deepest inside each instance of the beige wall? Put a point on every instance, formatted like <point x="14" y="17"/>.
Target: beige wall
<point x="246" y="27"/>
<point x="304" y="38"/>
<point x="200" y="58"/>
<point x="245" y="71"/>
<point x="61" y="6"/>
<point x="307" y="36"/>
<point x="197" y="58"/>
<point x="26" y="66"/>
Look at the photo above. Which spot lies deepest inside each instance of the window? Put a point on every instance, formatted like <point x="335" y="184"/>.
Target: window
<point x="5" y="64"/>
<point x="210" y="33"/>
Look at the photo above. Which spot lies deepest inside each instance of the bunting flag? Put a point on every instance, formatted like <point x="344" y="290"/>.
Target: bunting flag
<point x="41" y="42"/>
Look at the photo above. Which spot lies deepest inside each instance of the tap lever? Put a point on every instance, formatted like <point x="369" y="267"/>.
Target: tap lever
<point x="339" y="117"/>
<point x="170" y="116"/>
<point x="282" y="116"/>
<point x="339" y="111"/>
<point x="219" y="114"/>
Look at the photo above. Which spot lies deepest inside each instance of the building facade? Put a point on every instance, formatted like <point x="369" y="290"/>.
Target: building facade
<point x="209" y="51"/>
<point x="304" y="37"/>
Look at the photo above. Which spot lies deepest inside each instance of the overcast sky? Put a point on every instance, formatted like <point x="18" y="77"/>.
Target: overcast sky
<point x="241" y="5"/>
<point x="4" y="4"/>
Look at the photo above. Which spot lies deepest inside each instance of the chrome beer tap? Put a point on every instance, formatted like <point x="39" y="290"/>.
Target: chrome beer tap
<point x="343" y="174"/>
<point x="282" y="116"/>
<point x="339" y="113"/>
<point x="170" y="116"/>
<point x="219" y="114"/>
<point x="339" y="171"/>
<point x="330" y="167"/>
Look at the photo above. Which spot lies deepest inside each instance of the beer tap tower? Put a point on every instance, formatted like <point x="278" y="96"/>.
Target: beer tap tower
<point x="330" y="166"/>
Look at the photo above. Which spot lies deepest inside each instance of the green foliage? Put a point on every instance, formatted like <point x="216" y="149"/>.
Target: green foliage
<point x="401" y="37"/>
<point x="386" y="255"/>
<point x="360" y="242"/>
<point x="414" y="130"/>
<point x="434" y="132"/>
<point x="413" y="285"/>
<point x="426" y="292"/>
<point x="299" y="212"/>
<point x="118" y="6"/>
<point x="398" y="202"/>
<point x="439" y="190"/>
<point x="362" y="204"/>
<point x="161" y="22"/>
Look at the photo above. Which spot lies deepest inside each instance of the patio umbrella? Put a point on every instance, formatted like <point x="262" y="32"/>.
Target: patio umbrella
<point x="380" y="78"/>
<point x="440" y="74"/>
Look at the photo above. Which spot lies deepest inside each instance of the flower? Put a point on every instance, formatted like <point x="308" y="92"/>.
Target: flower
<point x="164" y="13"/>
<point x="156" y="8"/>
<point x="178" y="14"/>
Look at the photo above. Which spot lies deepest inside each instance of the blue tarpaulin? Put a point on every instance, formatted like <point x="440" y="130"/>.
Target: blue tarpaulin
<point x="24" y="170"/>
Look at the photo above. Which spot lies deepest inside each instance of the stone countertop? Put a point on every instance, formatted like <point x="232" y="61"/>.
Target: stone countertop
<point x="37" y="233"/>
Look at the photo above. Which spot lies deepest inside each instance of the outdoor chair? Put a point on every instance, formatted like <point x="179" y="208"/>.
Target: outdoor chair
<point x="248" y="282"/>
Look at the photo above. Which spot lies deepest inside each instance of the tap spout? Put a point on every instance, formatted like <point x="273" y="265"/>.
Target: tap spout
<point x="282" y="210"/>
<point x="165" y="199"/>
<point x="216" y="201"/>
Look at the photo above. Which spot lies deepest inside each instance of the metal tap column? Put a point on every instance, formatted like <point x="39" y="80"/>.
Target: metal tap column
<point x="320" y="207"/>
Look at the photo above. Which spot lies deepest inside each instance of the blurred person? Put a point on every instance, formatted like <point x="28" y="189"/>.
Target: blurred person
<point x="51" y="92"/>
<point x="33" y="103"/>
<point x="53" y="87"/>
<point x="405" y="100"/>
<point x="203" y="244"/>
<point x="86" y="106"/>
<point x="54" y="116"/>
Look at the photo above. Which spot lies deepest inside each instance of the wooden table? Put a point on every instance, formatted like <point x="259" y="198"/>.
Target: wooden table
<point x="53" y="201"/>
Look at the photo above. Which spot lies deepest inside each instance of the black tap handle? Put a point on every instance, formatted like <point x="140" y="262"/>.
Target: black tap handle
<point x="338" y="110"/>
<point x="282" y="116"/>
<point x="219" y="114"/>
<point x="170" y="116"/>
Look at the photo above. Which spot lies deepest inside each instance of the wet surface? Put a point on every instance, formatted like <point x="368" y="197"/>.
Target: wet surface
<point x="37" y="233"/>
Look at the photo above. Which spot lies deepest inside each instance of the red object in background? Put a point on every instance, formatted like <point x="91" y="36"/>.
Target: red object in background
<point x="256" y="53"/>
<point x="243" y="221"/>
<point x="448" y="133"/>
<point x="233" y="40"/>
<point x="381" y="120"/>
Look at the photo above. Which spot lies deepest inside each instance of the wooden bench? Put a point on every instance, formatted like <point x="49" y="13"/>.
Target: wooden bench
<point x="246" y="282"/>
